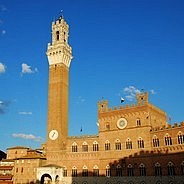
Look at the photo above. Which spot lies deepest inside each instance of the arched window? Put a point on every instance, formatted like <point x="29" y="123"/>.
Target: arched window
<point x="168" y="140"/>
<point x="74" y="171"/>
<point x="128" y="144"/>
<point x="84" y="171"/>
<point x="107" y="126"/>
<point x="142" y="170"/>
<point x="180" y="138"/>
<point x="140" y="143"/>
<point x="65" y="172"/>
<point x="118" y="170"/>
<point x="155" y="141"/>
<point x="130" y="171"/>
<point x="171" y="169"/>
<point x="85" y="147"/>
<point x="57" y="35"/>
<point x="118" y="144"/>
<point x="108" y="171"/>
<point x="95" y="171"/>
<point x="182" y="168"/>
<point x="95" y="146"/>
<point x="158" y="169"/>
<point x="107" y="145"/>
<point x="138" y="121"/>
<point x="74" y="147"/>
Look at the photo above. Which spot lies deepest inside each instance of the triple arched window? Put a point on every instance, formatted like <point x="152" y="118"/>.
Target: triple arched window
<point x="180" y="138"/>
<point x="155" y="141"/>
<point x="118" y="145"/>
<point x="128" y="144"/>
<point x="168" y="140"/>
<point x="107" y="145"/>
<point x="158" y="169"/>
<point x="142" y="170"/>
<point x="140" y="143"/>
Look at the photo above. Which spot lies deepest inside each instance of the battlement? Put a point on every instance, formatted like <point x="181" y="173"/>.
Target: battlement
<point x="168" y="127"/>
<point x="83" y="136"/>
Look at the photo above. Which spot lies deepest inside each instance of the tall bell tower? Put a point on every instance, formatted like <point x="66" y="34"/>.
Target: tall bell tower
<point x="59" y="55"/>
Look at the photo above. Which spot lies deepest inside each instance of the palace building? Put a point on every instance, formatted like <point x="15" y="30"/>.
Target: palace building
<point x="134" y="143"/>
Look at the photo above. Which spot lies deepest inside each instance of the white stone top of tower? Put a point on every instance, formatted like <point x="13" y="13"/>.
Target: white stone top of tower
<point x="59" y="51"/>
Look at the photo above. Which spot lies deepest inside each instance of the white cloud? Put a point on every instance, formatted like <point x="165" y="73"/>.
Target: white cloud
<point x="3" y="8"/>
<point x="80" y="100"/>
<point x="3" y="32"/>
<point x="27" y="69"/>
<point x="25" y="113"/>
<point x="2" y="68"/>
<point x="130" y="93"/>
<point x="27" y="136"/>
<point x="152" y="91"/>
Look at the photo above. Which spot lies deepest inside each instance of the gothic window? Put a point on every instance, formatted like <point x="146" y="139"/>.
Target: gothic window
<point x="128" y="144"/>
<point x="180" y="138"/>
<point x="108" y="171"/>
<point x="118" y="144"/>
<point x="138" y="122"/>
<point x="74" y="172"/>
<point x="74" y="147"/>
<point x="182" y="168"/>
<point x="168" y="140"/>
<point x="65" y="172"/>
<point x="155" y="141"/>
<point x="142" y="170"/>
<point x="140" y="143"/>
<point x="95" y="146"/>
<point x="118" y="170"/>
<point x="130" y="170"/>
<point x="171" y="169"/>
<point x="57" y="35"/>
<point x="95" y="171"/>
<point x="158" y="169"/>
<point x="107" y="126"/>
<point x="84" y="147"/>
<point x="84" y="171"/>
<point x="107" y="145"/>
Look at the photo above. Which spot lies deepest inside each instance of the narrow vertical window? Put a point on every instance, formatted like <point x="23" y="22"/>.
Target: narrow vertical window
<point x="108" y="171"/>
<point x="57" y="35"/>
<point x="182" y="168"/>
<point x="158" y="170"/>
<point x="168" y="140"/>
<point x="180" y="138"/>
<point x="171" y="169"/>
<point x="130" y="170"/>
<point x="107" y="145"/>
<point x="155" y="141"/>
<point x="140" y="143"/>
<point x="74" y="172"/>
<point x="118" y="170"/>
<point x="118" y="144"/>
<point x="95" y="171"/>
<point x="128" y="144"/>
<point x="85" y="171"/>
<point x="95" y="146"/>
<point x="74" y="147"/>
<point x="142" y="170"/>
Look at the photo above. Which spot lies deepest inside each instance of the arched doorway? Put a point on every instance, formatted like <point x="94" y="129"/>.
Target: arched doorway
<point x="46" y="179"/>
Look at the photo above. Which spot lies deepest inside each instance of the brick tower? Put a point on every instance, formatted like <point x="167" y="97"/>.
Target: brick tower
<point x="59" y="55"/>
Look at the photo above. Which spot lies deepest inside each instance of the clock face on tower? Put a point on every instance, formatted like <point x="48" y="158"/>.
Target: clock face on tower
<point x="53" y="135"/>
<point x="121" y="123"/>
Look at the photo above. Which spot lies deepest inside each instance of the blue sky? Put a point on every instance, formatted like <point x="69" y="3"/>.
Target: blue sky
<point x="119" y="48"/>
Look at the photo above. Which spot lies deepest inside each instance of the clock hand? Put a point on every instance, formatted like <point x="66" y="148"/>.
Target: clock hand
<point x="53" y="134"/>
